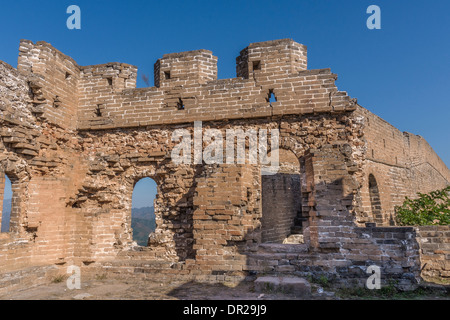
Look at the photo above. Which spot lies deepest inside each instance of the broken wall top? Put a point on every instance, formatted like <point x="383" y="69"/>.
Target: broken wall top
<point x="186" y="87"/>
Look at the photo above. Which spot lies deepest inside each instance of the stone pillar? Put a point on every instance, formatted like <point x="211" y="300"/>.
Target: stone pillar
<point x="191" y="67"/>
<point x="226" y="210"/>
<point x="330" y="188"/>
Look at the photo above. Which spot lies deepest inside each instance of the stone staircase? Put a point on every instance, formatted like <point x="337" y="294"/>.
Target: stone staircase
<point x="287" y="285"/>
<point x="276" y="258"/>
<point x="274" y="261"/>
<point x="145" y="269"/>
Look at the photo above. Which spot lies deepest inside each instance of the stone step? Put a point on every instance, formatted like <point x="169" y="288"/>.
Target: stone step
<point x="141" y="267"/>
<point x="282" y="248"/>
<point x="140" y="263"/>
<point x="123" y="269"/>
<point x="280" y="263"/>
<point x="293" y="285"/>
<point x="26" y="278"/>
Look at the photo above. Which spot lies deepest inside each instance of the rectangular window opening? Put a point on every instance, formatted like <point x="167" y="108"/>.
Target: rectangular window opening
<point x="256" y="65"/>
<point x="271" y="97"/>
<point x="98" y="111"/>
<point x="7" y="203"/>
<point x="180" y="104"/>
<point x="167" y="75"/>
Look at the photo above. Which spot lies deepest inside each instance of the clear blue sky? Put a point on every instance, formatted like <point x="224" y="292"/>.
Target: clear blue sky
<point x="400" y="72"/>
<point x="144" y="193"/>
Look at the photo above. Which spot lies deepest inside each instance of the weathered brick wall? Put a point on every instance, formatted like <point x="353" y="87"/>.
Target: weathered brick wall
<point x="75" y="141"/>
<point x="15" y="120"/>
<point x="119" y="158"/>
<point x="41" y="163"/>
<point x="97" y="84"/>
<point x="334" y="247"/>
<point x="192" y="92"/>
<point x="402" y="164"/>
<point x="434" y="244"/>
<point x="54" y="81"/>
<point x="394" y="250"/>
<point x="185" y="68"/>
<point x="271" y="59"/>
<point x="331" y="188"/>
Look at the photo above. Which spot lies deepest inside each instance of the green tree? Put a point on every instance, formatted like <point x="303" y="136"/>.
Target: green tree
<point x="428" y="209"/>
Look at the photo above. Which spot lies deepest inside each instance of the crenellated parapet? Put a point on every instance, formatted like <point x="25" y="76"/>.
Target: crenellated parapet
<point x="272" y="80"/>
<point x="271" y="59"/>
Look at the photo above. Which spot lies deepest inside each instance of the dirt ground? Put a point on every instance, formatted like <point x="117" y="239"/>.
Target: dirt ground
<point x="114" y="289"/>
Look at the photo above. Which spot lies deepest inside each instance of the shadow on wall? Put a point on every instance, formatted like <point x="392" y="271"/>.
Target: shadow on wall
<point x="341" y="253"/>
<point x="281" y="207"/>
<point x="182" y="222"/>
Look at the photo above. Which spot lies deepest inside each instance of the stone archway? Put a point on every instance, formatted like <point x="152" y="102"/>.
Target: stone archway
<point x="6" y="206"/>
<point x="281" y="200"/>
<point x="143" y="220"/>
<point x="15" y="172"/>
<point x="173" y="209"/>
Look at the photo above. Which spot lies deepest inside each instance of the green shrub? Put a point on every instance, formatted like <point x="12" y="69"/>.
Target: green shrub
<point x="58" y="279"/>
<point x="428" y="209"/>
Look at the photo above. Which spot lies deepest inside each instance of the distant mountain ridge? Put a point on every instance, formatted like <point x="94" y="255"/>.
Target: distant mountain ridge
<point x="6" y="215"/>
<point x="143" y="223"/>
<point x="143" y="213"/>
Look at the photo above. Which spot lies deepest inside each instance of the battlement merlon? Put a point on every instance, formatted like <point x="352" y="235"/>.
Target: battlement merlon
<point x="271" y="59"/>
<point x="186" y="87"/>
<point x="184" y="68"/>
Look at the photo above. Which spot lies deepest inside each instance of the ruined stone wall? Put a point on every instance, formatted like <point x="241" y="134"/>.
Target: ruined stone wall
<point x="334" y="247"/>
<point x="434" y="244"/>
<point x="393" y="249"/>
<point x="402" y="164"/>
<point x="75" y="141"/>
<point x="39" y="160"/>
<point x="54" y="81"/>
<point x="119" y="158"/>
<point x="14" y="113"/>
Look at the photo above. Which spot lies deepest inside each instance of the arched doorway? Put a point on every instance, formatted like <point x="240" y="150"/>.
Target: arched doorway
<point x="143" y="210"/>
<point x="282" y="201"/>
<point x="375" y="201"/>
<point x="6" y="197"/>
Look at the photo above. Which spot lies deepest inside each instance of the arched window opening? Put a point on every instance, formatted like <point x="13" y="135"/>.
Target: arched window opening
<point x="143" y="210"/>
<point x="282" y="220"/>
<point x="6" y="195"/>
<point x="375" y="201"/>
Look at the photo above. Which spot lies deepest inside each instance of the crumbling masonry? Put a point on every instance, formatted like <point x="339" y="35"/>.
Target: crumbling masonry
<point x="75" y="140"/>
